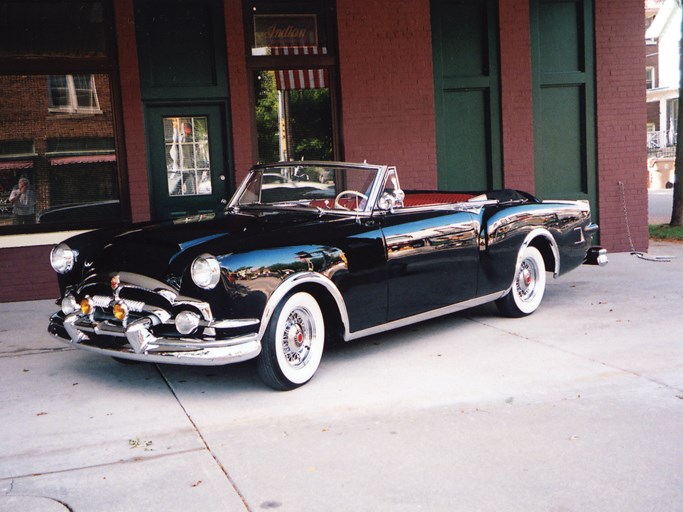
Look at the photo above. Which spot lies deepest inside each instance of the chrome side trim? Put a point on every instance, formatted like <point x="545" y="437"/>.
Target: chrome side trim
<point x="427" y="315"/>
<point x="231" y="324"/>
<point x="544" y="233"/>
<point x="310" y="277"/>
<point x="297" y="280"/>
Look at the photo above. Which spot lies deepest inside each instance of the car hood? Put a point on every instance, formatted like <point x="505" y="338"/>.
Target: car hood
<point x="163" y="249"/>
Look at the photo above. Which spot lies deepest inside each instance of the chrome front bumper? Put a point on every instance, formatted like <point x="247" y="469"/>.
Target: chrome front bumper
<point x="131" y="316"/>
<point x="137" y="342"/>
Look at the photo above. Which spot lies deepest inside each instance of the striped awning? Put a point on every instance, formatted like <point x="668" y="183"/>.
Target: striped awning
<point x="16" y="164"/>
<point x="293" y="79"/>
<point x="83" y="159"/>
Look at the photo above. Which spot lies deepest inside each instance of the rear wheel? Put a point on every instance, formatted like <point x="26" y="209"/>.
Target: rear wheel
<point x="293" y="343"/>
<point x="528" y="287"/>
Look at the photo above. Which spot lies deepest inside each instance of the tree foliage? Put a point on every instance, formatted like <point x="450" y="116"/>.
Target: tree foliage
<point x="308" y="121"/>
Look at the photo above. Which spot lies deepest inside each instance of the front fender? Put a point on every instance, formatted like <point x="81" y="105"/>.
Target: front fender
<point x="305" y="279"/>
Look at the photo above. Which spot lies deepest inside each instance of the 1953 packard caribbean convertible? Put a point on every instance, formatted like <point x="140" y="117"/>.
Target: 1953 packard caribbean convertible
<point x="306" y="252"/>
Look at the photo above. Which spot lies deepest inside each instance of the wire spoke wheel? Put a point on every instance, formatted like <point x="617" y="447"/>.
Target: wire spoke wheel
<point x="293" y="343"/>
<point x="528" y="287"/>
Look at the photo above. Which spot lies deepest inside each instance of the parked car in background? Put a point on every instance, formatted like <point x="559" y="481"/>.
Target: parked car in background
<point x="343" y="253"/>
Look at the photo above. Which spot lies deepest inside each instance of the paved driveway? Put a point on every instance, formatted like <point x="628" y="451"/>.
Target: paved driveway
<point x="576" y="408"/>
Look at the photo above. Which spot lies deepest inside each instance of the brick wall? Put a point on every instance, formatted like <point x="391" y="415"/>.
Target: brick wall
<point x="385" y="63"/>
<point x="516" y="96"/>
<point x="244" y="152"/>
<point x="621" y="116"/>
<point x="26" y="274"/>
<point x="134" y="130"/>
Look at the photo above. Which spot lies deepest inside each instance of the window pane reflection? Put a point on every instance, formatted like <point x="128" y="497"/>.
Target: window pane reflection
<point x="187" y="156"/>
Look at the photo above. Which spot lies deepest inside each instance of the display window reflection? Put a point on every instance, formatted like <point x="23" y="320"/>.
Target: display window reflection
<point x="58" y="161"/>
<point x="293" y="115"/>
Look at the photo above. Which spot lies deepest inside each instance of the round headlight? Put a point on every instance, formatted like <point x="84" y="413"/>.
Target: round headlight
<point x="206" y="271"/>
<point x="186" y="322"/>
<point x="62" y="258"/>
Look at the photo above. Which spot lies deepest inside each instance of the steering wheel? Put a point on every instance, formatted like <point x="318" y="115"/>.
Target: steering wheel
<point x="355" y="193"/>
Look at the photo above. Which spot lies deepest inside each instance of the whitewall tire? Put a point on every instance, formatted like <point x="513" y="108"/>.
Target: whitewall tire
<point x="293" y="343"/>
<point x="528" y="287"/>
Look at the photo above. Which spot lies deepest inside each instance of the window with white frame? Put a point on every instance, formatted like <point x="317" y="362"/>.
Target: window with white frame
<point x="650" y="80"/>
<point x="73" y="94"/>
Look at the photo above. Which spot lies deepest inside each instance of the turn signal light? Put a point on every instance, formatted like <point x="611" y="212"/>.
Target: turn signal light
<point x="86" y="306"/>
<point x="120" y="311"/>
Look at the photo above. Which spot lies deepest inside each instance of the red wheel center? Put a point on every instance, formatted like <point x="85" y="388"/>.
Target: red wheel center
<point x="526" y="277"/>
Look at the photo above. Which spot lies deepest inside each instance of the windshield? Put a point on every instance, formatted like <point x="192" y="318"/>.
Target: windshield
<point x="327" y="187"/>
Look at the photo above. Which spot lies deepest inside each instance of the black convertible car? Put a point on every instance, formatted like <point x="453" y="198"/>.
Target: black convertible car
<point x="303" y="253"/>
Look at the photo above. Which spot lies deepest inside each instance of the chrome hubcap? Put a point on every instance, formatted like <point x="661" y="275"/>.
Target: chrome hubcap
<point x="297" y="337"/>
<point x="526" y="280"/>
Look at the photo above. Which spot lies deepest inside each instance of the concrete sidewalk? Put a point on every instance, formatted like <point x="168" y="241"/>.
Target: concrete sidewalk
<point x="578" y="407"/>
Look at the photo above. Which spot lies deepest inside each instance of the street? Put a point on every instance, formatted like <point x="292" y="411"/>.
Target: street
<point x="576" y="408"/>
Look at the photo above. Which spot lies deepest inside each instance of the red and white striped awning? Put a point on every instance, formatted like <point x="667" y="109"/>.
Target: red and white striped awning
<point x="292" y="79"/>
<point x="16" y="164"/>
<point x="83" y="159"/>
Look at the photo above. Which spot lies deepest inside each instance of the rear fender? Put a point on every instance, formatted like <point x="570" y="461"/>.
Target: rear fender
<point x="542" y="240"/>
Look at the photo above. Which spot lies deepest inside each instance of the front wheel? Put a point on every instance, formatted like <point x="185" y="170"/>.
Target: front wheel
<point x="293" y="343"/>
<point x="528" y="287"/>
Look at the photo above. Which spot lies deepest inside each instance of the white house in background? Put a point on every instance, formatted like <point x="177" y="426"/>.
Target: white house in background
<point x="663" y="40"/>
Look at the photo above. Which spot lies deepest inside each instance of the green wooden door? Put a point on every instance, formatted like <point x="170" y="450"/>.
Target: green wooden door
<point x="563" y="96"/>
<point x="187" y="164"/>
<point x="467" y="93"/>
<point x="184" y="86"/>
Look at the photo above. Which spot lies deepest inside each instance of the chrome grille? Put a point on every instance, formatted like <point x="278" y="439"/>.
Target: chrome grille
<point x="101" y="301"/>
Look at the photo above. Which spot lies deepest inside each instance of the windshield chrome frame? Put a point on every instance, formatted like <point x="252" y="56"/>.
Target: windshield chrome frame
<point x="375" y="189"/>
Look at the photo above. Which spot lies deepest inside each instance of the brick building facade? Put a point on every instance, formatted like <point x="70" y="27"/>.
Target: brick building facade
<point x="383" y="64"/>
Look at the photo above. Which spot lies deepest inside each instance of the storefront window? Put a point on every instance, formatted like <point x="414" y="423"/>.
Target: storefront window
<point x="58" y="150"/>
<point x="293" y="62"/>
<point x="293" y="122"/>
<point x="57" y="166"/>
<point x="47" y="28"/>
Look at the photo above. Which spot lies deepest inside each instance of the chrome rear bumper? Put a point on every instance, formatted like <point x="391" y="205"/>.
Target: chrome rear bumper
<point x="596" y="256"/>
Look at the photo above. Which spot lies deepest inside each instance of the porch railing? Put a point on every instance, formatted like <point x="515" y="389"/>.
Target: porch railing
<point x="661" y="144"/>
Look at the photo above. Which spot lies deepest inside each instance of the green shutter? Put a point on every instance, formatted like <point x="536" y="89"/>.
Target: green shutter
<point x="564" y="99"/>
<point x="467" y="94"/>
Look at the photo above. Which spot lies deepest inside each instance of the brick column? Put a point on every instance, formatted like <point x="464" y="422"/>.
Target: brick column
<point x="133" y="123"/>
<point x="244" y="145"/>
<point x="516" y="95"/>
<point x="385" y="63"/>
<point x="621" y="120"/>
